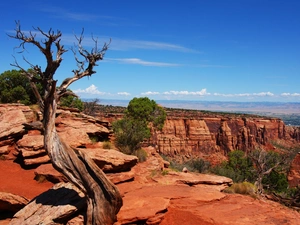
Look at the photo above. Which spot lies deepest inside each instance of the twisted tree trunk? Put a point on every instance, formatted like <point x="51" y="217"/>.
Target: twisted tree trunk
<point x="103" y="198"/>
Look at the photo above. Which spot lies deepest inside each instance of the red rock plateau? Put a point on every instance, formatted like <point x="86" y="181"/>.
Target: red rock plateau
<point x="152" y="193"/>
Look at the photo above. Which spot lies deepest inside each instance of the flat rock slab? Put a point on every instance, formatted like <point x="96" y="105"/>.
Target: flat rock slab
<point x="54" y="206"/>
<point x="232" y="210"/>
<point x="144" y="209"/>
<point x="148" y="202"/>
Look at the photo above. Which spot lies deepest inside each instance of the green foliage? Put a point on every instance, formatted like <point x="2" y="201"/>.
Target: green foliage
<point x="146" y="111"/>
<point x="239" y="167"/>
<point x="72" y="102"/>
<point x="275" y="181"/>
<point x="134" y="127"/>
<point x="15" y="87"/>
<point x="129" y="134"/>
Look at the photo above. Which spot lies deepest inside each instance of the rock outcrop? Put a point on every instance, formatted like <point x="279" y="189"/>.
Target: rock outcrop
<point x="54" y="206"/>
<point x="206" y="134"/>
<point x="12" y="203"/>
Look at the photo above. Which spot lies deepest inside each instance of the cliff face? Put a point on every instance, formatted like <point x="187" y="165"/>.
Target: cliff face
<point x="210" y="134"/>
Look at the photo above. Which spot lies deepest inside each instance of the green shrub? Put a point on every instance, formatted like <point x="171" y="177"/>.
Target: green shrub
<point x="239" y="167"/>
<point x="72" y="102"/>
<point x="198" y="165"/>
<point x="275" y="182"/>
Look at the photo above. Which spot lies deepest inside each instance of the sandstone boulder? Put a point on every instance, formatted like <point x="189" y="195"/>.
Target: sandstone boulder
<point x="11" y="120"/>
<point x="76" y="130"/>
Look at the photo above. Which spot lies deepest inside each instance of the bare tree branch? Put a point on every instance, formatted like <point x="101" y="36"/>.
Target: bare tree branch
<point x="88" y="57"/>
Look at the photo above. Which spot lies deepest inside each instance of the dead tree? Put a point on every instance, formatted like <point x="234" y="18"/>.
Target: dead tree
<point x="103" y="198"/>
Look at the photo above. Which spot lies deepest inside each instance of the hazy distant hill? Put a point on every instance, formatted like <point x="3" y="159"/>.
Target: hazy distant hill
<point x="289" y="112"/>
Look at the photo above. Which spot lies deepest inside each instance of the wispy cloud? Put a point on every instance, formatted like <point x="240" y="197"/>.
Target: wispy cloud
<point x="142" y="62"/>
<point x="62" y="13"/>
<point x="118" y="44"/>
<point x="123" y="44"/>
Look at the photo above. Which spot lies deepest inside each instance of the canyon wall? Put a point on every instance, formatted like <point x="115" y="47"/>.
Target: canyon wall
<point x="207" y="134"/>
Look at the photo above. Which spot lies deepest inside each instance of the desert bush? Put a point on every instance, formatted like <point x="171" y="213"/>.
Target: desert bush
<point x="198" y="165"/>
<point x="72" y="102"/>
<point x="165" y="172"/>
<point x="141" y="154"/>
<point x="91" y="107"/>
<point x="194" y="165"/>
<point x="244" y="188"/>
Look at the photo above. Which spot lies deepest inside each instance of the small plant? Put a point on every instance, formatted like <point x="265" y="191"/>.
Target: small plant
<point x="165" y="172"/>
<point x="107" y="145"/>
<point x="94" y="139"/>
<point x="40" y="178"/>
<point x="141" y="154"/>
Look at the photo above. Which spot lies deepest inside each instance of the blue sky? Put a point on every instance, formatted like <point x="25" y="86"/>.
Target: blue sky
<point x="222" y="50"/>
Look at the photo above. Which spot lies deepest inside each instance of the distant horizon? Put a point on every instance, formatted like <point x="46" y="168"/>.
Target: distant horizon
<point x="229" y="106"/>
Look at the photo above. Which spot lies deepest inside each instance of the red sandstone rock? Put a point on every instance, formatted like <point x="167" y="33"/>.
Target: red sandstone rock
<point x="294" y="174"/>
<point x="211" y="134"/>
<point x="110" y="160"/>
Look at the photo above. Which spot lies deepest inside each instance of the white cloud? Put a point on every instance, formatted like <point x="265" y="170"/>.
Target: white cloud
<point x="124" y="93"/>
<point x="290" y="94"/>
<point x="93" y="90"/>
<point x="203" y="92"/>
<point x="260" y="94"/>
<point x="142" y="62"/>
<point x="150" y="93"/>
<point x="263" y="94"/>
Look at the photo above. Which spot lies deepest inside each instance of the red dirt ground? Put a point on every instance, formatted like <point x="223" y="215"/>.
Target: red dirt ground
<point x="16" y="180"/>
